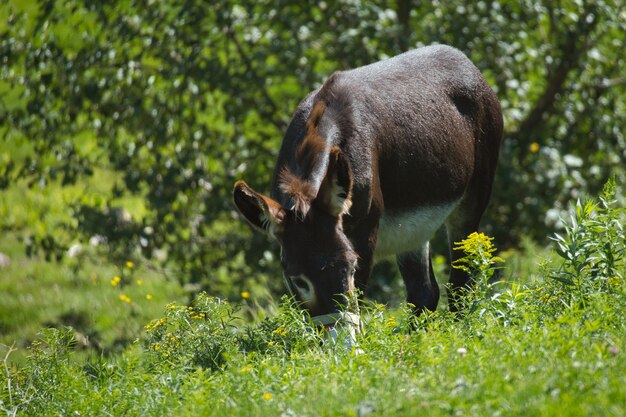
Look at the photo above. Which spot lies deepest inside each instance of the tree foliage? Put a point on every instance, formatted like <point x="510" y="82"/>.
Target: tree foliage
<point x="181" y="98"/>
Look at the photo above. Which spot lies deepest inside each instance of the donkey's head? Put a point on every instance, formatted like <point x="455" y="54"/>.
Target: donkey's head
<point x="317" y="258"/>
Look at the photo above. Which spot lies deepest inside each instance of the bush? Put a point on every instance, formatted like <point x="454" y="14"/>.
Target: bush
<point x="592" y="250"/>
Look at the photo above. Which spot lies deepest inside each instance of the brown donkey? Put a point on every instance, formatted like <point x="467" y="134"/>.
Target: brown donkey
<point x="372" y="164"/>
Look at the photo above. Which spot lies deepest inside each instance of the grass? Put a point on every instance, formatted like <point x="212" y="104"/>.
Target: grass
<point x="547" y="342"/>
<point x="36" y="294"/>
<point x="567" y="364"/>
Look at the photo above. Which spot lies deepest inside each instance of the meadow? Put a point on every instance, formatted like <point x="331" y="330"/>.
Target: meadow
<point x="545" y="335"/>
<point x="130" y="286"/>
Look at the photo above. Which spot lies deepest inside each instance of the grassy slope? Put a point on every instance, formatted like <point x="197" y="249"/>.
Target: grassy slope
<point x="568" y="364"/>
<point x="539" y="348"/>
<point x="36" y="294"/>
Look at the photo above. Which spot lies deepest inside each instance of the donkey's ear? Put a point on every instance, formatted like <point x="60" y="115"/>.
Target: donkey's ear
<point x="335" y="193"/>
<point x="260" y="211"/>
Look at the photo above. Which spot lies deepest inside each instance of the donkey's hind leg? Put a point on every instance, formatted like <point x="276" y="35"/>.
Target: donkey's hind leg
<point x="417" y="272"/>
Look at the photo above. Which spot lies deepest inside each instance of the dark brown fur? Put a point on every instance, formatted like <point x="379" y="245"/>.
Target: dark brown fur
<point x="397" y="138"/>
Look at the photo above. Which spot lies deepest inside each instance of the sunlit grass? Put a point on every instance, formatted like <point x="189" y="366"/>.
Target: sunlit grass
<point x="36" y="294"/>
<point x="548" y="345"/>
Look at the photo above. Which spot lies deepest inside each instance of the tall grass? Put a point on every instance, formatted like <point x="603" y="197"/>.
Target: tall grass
<point x="553" y="346"/>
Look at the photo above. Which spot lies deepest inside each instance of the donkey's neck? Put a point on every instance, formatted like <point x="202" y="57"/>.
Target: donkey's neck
<point x="304" y="170"/>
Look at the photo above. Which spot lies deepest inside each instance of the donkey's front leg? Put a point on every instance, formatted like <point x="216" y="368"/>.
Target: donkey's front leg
<point x="417" y="271"/>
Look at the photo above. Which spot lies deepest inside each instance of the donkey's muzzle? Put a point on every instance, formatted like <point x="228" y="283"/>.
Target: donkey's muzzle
<point x="341" y="327"/>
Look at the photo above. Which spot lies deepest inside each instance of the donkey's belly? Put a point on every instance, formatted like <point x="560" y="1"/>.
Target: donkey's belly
<point x="406" y="231"/>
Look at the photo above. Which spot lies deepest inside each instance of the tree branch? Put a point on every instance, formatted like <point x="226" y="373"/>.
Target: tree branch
<point x="269" y="102"/>
<point x="404" y="13"/>
<point x="608" y="83"/>
<point x="574" y="47"/>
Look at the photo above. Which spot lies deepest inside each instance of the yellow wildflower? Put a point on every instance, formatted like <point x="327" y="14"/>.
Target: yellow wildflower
<point x="534" y="147"/>
<point x="246" y="369"/>
<point x="125" y="298"/>
<point x="479" y="250"/>
<point x="281" y="331"/>
<point x="267" y="396"/>
<point x="245" y="295"/>
<point x="130" y="264"/>
<point x="148" y="297"/>
<point x="140" y="282"/>
<point x="155" y="324"/>
<point x="116" y="280"/>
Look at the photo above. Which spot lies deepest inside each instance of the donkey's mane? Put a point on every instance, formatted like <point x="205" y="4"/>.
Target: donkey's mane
<point x="302" y="180"/>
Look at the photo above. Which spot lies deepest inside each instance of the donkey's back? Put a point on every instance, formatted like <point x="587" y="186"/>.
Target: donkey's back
<point x="418" y="118"/>
<point x="372" y="164"/>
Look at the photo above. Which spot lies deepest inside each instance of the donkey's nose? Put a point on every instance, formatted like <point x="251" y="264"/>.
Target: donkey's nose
<point x="342" y="328"/>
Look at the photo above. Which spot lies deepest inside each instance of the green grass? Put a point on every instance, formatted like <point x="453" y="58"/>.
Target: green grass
<point x="35" y="294"/>
<point x="568" y="363"/>
<point x="545" y="339"/>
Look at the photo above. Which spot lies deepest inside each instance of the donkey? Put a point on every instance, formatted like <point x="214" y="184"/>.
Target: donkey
<point x="372" y="164"/>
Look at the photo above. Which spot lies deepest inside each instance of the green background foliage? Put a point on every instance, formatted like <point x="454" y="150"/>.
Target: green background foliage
<point x="143" y="114"/>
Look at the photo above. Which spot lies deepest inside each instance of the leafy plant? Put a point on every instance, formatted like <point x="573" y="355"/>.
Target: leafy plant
<point x="192" y="336"/>
<point x="206" y="335"/>
<point x="479" y="262"/>
<point x="592" y="247"/>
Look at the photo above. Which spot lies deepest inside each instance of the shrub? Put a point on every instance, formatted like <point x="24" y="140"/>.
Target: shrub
<point x="592" y="249"/>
